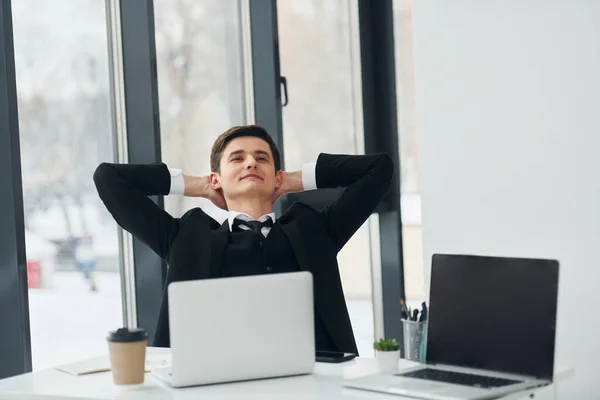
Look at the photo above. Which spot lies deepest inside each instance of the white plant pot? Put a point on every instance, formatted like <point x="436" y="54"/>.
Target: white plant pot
<point x="388" y="361"/>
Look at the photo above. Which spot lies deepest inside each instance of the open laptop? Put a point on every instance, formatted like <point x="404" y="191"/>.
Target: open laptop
<point x="241" y="328"/>
<point x="491" y="330"/>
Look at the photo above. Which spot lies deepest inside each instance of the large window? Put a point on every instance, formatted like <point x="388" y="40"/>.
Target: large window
<point x="409" y="153"/>
<point x="64" y="102"/>
<point x="200" y="85"/>
<point x="318" y="45"/>
<point x="61" y="58"/>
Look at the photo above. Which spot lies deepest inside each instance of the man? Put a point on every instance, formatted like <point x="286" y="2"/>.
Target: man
<point x="246" y="179"/>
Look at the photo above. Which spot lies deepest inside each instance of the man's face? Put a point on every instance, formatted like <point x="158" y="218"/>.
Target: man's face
<point x="247" y="170"/>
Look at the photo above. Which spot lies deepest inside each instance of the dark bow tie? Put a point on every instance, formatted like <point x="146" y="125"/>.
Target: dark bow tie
<point x="256" y="226"/>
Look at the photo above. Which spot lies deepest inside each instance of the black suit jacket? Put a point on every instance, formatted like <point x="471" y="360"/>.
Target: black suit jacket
<point x="193" y="245"/>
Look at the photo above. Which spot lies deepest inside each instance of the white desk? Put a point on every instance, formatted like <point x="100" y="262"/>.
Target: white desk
<point x="324" y="384"/>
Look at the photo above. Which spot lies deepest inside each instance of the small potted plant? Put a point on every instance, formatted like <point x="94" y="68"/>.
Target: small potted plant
<point x="387" y="353"/>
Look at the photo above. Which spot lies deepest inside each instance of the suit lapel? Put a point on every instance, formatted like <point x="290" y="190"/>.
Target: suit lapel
<point x="217" y="249"/>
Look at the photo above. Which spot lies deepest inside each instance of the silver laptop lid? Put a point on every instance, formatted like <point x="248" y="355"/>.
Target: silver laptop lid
<point x="241" y="328"/>
<point x="493" y="313"/>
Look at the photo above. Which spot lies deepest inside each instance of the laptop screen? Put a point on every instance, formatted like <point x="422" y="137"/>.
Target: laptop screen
<point x="493" y="313"/>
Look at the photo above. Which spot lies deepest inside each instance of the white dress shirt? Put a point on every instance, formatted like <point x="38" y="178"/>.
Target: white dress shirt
<point x="309" y="182"/>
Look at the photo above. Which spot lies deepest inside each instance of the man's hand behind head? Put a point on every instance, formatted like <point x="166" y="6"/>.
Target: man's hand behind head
<point x="291" y="182"/>
<point x="216" y="196"/>
<point x="199" y="186"/>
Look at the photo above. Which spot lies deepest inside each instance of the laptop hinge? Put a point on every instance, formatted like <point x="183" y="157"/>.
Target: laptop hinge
<point x="480" y="371"/>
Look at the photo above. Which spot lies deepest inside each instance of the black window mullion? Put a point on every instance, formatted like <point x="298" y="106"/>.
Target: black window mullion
<point x="376" y="19"/>
<point x="15" y="334"/>
<point x="143" y="141"/>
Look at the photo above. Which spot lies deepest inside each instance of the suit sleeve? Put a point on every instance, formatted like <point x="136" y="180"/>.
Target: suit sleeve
<point x="366" y="178"/>
<point x="124" y="189"/>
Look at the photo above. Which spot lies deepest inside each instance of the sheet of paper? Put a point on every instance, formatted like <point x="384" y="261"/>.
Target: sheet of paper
<point x="102" y="364"/>
<point x="89" y="366"/>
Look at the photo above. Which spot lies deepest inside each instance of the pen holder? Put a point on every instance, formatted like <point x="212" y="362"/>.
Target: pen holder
<point x="415" y="334"/>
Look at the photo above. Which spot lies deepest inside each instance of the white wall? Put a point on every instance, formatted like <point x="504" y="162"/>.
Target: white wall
<point x="508" y="102"/>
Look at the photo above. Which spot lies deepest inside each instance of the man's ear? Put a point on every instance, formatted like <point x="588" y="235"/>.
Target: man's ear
<point x="214" y="180"/>
<point x="278" y="179"/>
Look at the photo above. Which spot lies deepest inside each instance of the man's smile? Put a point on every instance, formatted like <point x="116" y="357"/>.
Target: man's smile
<point x="251" y="176"/>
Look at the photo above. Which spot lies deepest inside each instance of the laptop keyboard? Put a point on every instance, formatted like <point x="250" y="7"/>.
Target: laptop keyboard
<point x="459" y="378"/>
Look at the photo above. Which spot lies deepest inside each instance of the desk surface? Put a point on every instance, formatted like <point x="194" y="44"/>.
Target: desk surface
<point x="324" y="383"/>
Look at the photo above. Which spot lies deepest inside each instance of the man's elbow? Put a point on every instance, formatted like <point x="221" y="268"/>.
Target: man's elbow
<point x="102" y="174"/>
<point x="386" y="166"/>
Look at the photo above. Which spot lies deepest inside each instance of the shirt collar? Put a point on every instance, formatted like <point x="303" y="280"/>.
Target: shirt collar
<point x="231" y="215"/>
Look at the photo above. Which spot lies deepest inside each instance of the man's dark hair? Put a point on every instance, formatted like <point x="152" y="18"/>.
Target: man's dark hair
<point x="224" y="138"/>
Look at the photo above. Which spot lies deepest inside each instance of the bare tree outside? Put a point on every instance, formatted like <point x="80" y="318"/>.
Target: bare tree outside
<point x="64" y="119"/>
<point x="200" y="82"/>
<point x="61" y="65"/>
<point x="315" y="51"/>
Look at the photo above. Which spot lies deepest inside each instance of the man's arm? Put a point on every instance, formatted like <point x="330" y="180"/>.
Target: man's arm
<point x="124" y="189"/>
<point x="366" y="178"/>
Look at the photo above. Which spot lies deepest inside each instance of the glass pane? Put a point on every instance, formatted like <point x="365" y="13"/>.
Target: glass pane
<point x="200" y="85"/>
<point x="316" y="49"/>
<point x="65" y="125"/>
<point x="409" y="154"/>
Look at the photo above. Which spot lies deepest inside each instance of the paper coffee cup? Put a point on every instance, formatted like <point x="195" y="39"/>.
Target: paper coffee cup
<point x="127" y="352"/>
